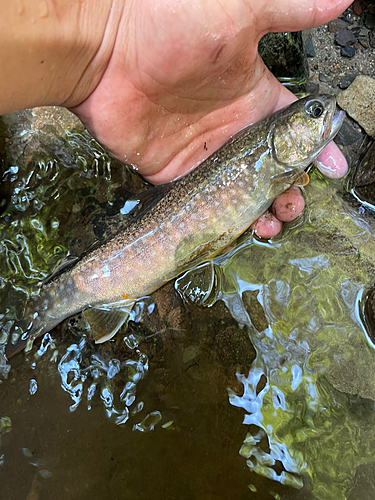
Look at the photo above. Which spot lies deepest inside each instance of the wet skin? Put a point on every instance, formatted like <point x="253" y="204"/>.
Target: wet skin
<point x="183" y="77"/>
<point x="161" y="83"/>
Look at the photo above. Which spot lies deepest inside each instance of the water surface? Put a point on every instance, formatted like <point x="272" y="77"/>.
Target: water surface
<point x="267" y="394"/>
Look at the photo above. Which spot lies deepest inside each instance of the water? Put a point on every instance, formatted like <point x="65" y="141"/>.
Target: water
<point x="267" y="394"/>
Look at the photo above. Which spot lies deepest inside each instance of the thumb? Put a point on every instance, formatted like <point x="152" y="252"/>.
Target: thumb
<point x="296" y="15"/>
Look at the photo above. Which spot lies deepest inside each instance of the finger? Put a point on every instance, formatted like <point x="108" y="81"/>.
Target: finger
<point x="331" y="162"/>
<point x="267" y="226"/>
<point x="289" y="205"/>
<point x="296" y="15"/>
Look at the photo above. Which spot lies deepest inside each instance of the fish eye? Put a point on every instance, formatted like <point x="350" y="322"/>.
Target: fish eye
<point x="315" y="109"/>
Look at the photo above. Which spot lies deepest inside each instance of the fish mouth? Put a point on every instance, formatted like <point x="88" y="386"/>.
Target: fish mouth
<point x="334" y="125"/>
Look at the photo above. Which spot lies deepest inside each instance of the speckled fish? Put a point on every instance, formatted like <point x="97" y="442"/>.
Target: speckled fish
<point x="197" y="217"/>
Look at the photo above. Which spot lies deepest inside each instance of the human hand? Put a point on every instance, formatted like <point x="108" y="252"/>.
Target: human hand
<point x="183" y="76"/>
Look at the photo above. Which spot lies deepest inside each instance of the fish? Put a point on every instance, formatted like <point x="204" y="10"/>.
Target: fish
<point x="190" y="221"/>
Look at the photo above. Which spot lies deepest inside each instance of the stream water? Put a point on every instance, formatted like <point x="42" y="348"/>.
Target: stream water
<point x="267" y="394"/>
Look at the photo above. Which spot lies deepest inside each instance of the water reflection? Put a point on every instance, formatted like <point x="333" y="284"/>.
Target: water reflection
<point x="307" y="397"/>
<point x="301" y="429"/>
<point x="56" y="195"/>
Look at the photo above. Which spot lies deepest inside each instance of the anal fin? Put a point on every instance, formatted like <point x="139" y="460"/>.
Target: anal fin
<point x="105" y="323"/>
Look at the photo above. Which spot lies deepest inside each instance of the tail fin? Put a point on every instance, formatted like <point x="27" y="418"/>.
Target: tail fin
<point x="13" y="349"/>
<point x="30" y="334"/>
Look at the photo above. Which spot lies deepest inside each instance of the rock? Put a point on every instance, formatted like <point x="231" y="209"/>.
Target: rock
<point x="369" y="314"/>
<point x="365" y="171"/>
<point x="348" y="134"/>
<point x="190" y="353"/>
<point x="347" y="51"/>
<point x="358" y="100"/>
<point x="324" y="78"/>
<point x="364" y="189"/>
<point x="363" y="486"/>
<point x="351" y="17"/>
<point x="337" y="24"/>
<point x="309" y="47"/>
<point x="363" y="32"/>
<point x="344" y="38"/>
<point x="346" y="80"/>
<point x="370" y="21"/>
<point x="355" y="30"/>
<point x="357" y="7"/>
<point x="312" y="88"/>
<point x="372" y="39"/>
<point x="363" y="43"/>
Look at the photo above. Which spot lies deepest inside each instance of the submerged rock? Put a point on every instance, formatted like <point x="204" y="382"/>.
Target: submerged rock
<point x="364" y="179"/>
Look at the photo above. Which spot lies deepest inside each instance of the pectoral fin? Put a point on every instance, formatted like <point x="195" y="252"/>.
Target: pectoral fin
<point x="105" y="323"/>
<point x="294" y="177"/>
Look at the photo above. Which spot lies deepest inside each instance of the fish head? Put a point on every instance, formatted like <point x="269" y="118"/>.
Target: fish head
<point x="300" y="131"/>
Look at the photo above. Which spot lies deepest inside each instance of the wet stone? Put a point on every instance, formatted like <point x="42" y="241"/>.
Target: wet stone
<point x="324" y="78"/>
<point x="351" y="17"/>
<point x="365" y="173"/>
<point x="309" y="47"/>
<point x="349" y="134"/>
<point x="190" y="353"/>
<point x="364" y="178"/>
<point x="347" y="51"/>
<point x="363" y="486"/>
<point x="282" y="54"/>
<point x="363" y="33"/>
<point x="370" y="21"/>
<point x="346" y="80"/>
<point x="364" y="43"/>
<point x="337" y="24"/>
<point x="312" y="88"/>
<point x="358" y="100"/>
<point x="357" y="7"/>
<point x="345" y="38"/>
<point x="355" y="30"/>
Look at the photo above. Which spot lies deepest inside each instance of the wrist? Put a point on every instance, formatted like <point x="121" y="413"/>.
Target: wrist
<point x="54" y="52"/>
